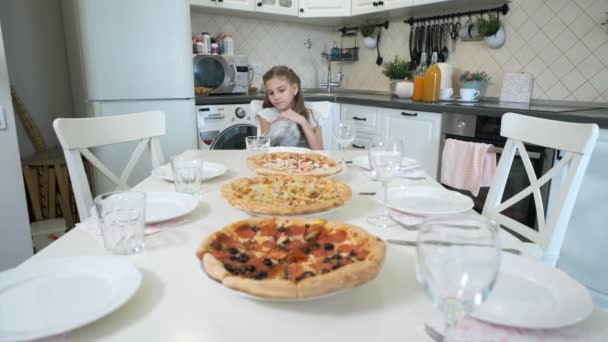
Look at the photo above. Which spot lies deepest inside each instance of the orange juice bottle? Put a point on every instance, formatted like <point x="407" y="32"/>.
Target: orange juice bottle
<point x="432" y="81"/>
<point x="419" y="79"/>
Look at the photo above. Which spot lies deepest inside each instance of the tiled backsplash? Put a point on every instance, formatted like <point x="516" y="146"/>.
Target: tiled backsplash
<point x="560" y="42"/>
<point x="270" y="43"/>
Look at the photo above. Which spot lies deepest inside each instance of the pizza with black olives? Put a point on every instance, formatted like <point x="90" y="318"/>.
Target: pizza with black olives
<point x="291" y="257"/>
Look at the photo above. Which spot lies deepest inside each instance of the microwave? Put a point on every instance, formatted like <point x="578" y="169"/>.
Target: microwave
<point x="221" y="74"/>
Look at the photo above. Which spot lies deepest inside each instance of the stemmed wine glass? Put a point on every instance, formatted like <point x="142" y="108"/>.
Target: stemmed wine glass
<point x="385" y="158"/>
<point x="344" y="132"/>
<point x="458" y="263"/>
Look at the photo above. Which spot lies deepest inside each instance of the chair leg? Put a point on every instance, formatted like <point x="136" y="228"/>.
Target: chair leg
<point x="64" y="191"/>
<point x="52" y="194"/>
<point x="32" y="184"/>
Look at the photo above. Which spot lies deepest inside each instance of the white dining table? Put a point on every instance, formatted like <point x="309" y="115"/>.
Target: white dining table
<point x="178" y="302"/>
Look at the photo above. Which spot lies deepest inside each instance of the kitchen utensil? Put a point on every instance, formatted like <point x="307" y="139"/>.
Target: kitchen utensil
<point x="455" y="28"/>
<point x="411" y="42"/>
<point x="379" y="58"/>
<point x="445" y="53"/>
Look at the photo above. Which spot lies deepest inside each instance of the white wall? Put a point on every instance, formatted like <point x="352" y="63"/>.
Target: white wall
<point x="37" y="63"/>
<point x="16" y="242"/>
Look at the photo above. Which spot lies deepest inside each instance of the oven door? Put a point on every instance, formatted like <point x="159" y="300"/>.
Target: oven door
<point x="525" y="210"/>
<point x="215" y="72"/>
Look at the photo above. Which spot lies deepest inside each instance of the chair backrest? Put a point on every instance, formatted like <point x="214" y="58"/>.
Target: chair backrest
<point x="577" y="141"/>
<point x="77" y="135"/>
<point x="323" y="107"/>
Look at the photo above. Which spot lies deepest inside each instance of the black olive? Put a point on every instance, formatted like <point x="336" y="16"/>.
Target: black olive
<point x="337" y="257"/>
<point x="238" y="271"/>
<point x="255" y="229"/>
<point x="281" y="229"/>
<point x="260" y="275"/>
<point x="308" y="273"/>
<point x="243" y="258"/>
<point x="267" y="262"/>
<point x="286" y="242"/>
<point x="327" y="260"/>
<point x="307" y="251"/>
<point x="353" y="253"/>
<point x="234" y="258"/>
<point x="336" y="266"/>
<point x="325" y="270"/>
<point x="328" y="246"/>
<point x="250" y="268"/>
<point x="233" y="250"/>
<point x="228" y="268"/>
<point x="306" y="225"/>
<point x="316" y="244"/>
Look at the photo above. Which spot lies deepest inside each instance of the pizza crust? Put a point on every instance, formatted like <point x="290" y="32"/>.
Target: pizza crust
<point x="267" y="288"/>
<point x="255" y="164"/>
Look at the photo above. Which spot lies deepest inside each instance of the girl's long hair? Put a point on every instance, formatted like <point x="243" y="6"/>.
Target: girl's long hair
<point x="282" y="71"/>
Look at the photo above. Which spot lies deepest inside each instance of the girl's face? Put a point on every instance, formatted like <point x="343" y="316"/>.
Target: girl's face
<point x="281" y="93"/>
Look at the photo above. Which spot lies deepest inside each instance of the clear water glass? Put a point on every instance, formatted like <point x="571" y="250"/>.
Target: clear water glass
<point x="122" y="217"/>
<point x="187" y="174"/>
<point x="257" y="144"/>
<point x="344" y="133"/>
<point x="385" y="158"/>
<point x="458" y="263"/>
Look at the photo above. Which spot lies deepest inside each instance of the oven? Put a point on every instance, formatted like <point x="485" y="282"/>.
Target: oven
<point x="484" y="129"/>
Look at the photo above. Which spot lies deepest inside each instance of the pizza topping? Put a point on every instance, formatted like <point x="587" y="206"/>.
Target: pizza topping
<point x="328" y="246"/>
<point x="295" y="230"/>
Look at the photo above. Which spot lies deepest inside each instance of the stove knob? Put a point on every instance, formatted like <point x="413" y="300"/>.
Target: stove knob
<point x="232" y="119"/>
<point x="461" y="124"/>
<point x="239" y="112"/>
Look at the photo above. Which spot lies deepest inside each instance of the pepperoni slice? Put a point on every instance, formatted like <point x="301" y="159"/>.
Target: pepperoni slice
<point x="337" y="237"/>
<point x="268" y="230"/>
<point x="276" y="254"/>
<point x="268" y="245"/>
<point x="295" y="230"/>
<point x="295" y="271"/>
<point x="361" y="253"/>
<point x="244" y="231"/>
<point x="346" y="248"/>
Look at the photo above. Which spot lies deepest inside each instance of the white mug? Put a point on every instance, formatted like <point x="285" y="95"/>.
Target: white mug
<point x="446" y="93"/>
<point x="469" y="94"/>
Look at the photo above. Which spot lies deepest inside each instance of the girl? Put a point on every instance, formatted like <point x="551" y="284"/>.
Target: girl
<point x="284" y="118"/>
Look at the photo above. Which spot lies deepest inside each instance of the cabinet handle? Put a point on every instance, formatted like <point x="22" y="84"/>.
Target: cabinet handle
<point x="375" y="3"/>
<point x="409" y="114"/>
<point x="358" y="118"/>
<point x="260" y="4"/>
<point x="380" y="3"/>
<point x="301" y="10"/>
<point x="357" y="146"/>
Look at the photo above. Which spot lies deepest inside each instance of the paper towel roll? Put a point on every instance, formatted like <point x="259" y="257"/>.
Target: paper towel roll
<point x="446" y="75"/>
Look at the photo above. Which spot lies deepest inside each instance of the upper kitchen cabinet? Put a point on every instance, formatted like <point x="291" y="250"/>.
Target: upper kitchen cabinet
<point x="426" y="2"/>
<point x="284" y="7"/>
<point x="367" y="6"/>
<point x="324" y="8"/>
<point x="245" y="5"/>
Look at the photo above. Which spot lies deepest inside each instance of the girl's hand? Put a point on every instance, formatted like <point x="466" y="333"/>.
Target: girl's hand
<point x="290" y="114"/>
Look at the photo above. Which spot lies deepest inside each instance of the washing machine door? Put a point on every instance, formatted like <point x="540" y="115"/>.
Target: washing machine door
<point x="233" y="138"/>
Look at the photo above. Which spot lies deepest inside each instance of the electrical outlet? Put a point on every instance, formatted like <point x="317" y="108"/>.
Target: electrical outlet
<point x="2" y="118"/>
<point x="257" y="69"/>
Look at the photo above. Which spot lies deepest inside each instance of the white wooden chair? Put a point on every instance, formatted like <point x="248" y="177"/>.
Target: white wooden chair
<point x="77" y="135"/>
<point x="577" y="141"/>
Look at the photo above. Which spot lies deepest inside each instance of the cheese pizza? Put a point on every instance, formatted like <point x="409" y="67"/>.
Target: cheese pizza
<point x="291" y="257"/>
<point x="290" y="163"/>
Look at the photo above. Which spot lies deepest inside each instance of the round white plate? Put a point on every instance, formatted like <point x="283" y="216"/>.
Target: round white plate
<point x="210" y="170"/>
<point x="530" y="294"/>
<point x="406" y="163"/>
<point x="52" y="297"/>
<point x="163" y="206"/>
<point x="276" y="149"/>
<point x="467" y="101"/>
<point x="425" y="200"/>
<point x="311" y="215"/>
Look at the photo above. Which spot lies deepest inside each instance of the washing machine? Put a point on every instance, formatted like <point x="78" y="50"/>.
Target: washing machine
<point x="224" y="127"/>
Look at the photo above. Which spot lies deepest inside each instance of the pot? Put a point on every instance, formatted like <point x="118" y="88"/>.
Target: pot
<point x="497" y="40"/>
<point x="370" y="42"/>
<point x="404" y="89"/>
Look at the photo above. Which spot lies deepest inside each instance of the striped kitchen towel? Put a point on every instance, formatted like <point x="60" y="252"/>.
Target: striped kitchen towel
<point x="468" y="165"/>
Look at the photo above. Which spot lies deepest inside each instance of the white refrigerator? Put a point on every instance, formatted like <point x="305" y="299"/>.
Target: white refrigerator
<point x="128" y="56"/>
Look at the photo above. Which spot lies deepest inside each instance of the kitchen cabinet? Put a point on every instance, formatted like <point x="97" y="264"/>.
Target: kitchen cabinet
<point x="284" y="7"/>
<point x="421" y="132"/>
<point x="426" y="2"/>
<point x="366" y="119"/>
<point x="324" y="8"/>
<point x="245" y="5"/>
<point x="371" y="6"/>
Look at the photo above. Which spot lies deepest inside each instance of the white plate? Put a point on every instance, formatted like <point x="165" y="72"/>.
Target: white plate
<point x="406" y="163"/>
<point x="276" y="149"/>
<point x="210" y="170"/>
<point x="164" y="206"/>
<point x="529" y="294"/>
<point x="425" y="200"/>
<point x="52" y="297"/>
<point x="310" y="215"/>
<point x="467" y="101"/>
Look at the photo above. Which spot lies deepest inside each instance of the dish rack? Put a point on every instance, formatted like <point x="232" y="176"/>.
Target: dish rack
<point x="345" y="53"/>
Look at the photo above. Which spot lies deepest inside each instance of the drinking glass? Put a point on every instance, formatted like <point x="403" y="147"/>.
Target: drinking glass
<point x="385" y="158"/>
<point x="344" y="133"/>
<point x="187" y="174"/>
<point x="458" y="263"/>
<point x="122" y="220"/>
<point x="257" y="144"/>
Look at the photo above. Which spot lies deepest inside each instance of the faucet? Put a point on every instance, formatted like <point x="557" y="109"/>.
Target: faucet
<point x="329" y="83"/>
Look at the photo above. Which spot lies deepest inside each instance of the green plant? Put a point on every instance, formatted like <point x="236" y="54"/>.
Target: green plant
<point x="474" y="76"/>
<point x="367" y="30"/>
<point x="489" y="25"/>
<point x="398" y="69"/>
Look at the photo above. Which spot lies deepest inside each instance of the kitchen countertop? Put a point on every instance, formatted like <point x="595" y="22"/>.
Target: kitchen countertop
<point x="573" y="112"/>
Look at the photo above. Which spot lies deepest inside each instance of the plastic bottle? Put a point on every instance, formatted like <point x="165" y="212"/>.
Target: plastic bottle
<point x="432" y="81"/>
<point x="419" y="79"/>
<point x="215" y="50"/>
<point x="335" y="52"/>
<point x="206" y="42"/>
<point x="228" y="45"/>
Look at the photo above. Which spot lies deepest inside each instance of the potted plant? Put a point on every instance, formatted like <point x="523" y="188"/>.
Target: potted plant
<point x="491" y="29"/>
<point x="398" y="70"/>
<point x="474" y="80"/>
<point x="370" y="35"/>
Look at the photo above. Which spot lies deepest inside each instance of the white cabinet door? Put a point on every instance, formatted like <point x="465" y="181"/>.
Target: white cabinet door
<point x="245" y="5"/>
<point x="204" y="3"/>
<point x="426" y="2"/>
<point x="364" y="6"/>
<point x="421" y="132"/>
<point x="324" y="8"/>
<point x="392" y="4"/>
<point x="285" y="7"/>
<point x="367" y="119"/>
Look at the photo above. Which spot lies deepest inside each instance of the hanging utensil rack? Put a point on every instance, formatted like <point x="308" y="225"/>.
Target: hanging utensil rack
<point x="504" y="9"/>
<point x="349" y="53"/>
<point x="346" y="30"/>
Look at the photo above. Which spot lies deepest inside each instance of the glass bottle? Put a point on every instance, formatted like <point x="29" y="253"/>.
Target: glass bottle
<point x="419" y="79"/>
<point x="432" y="81"/>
